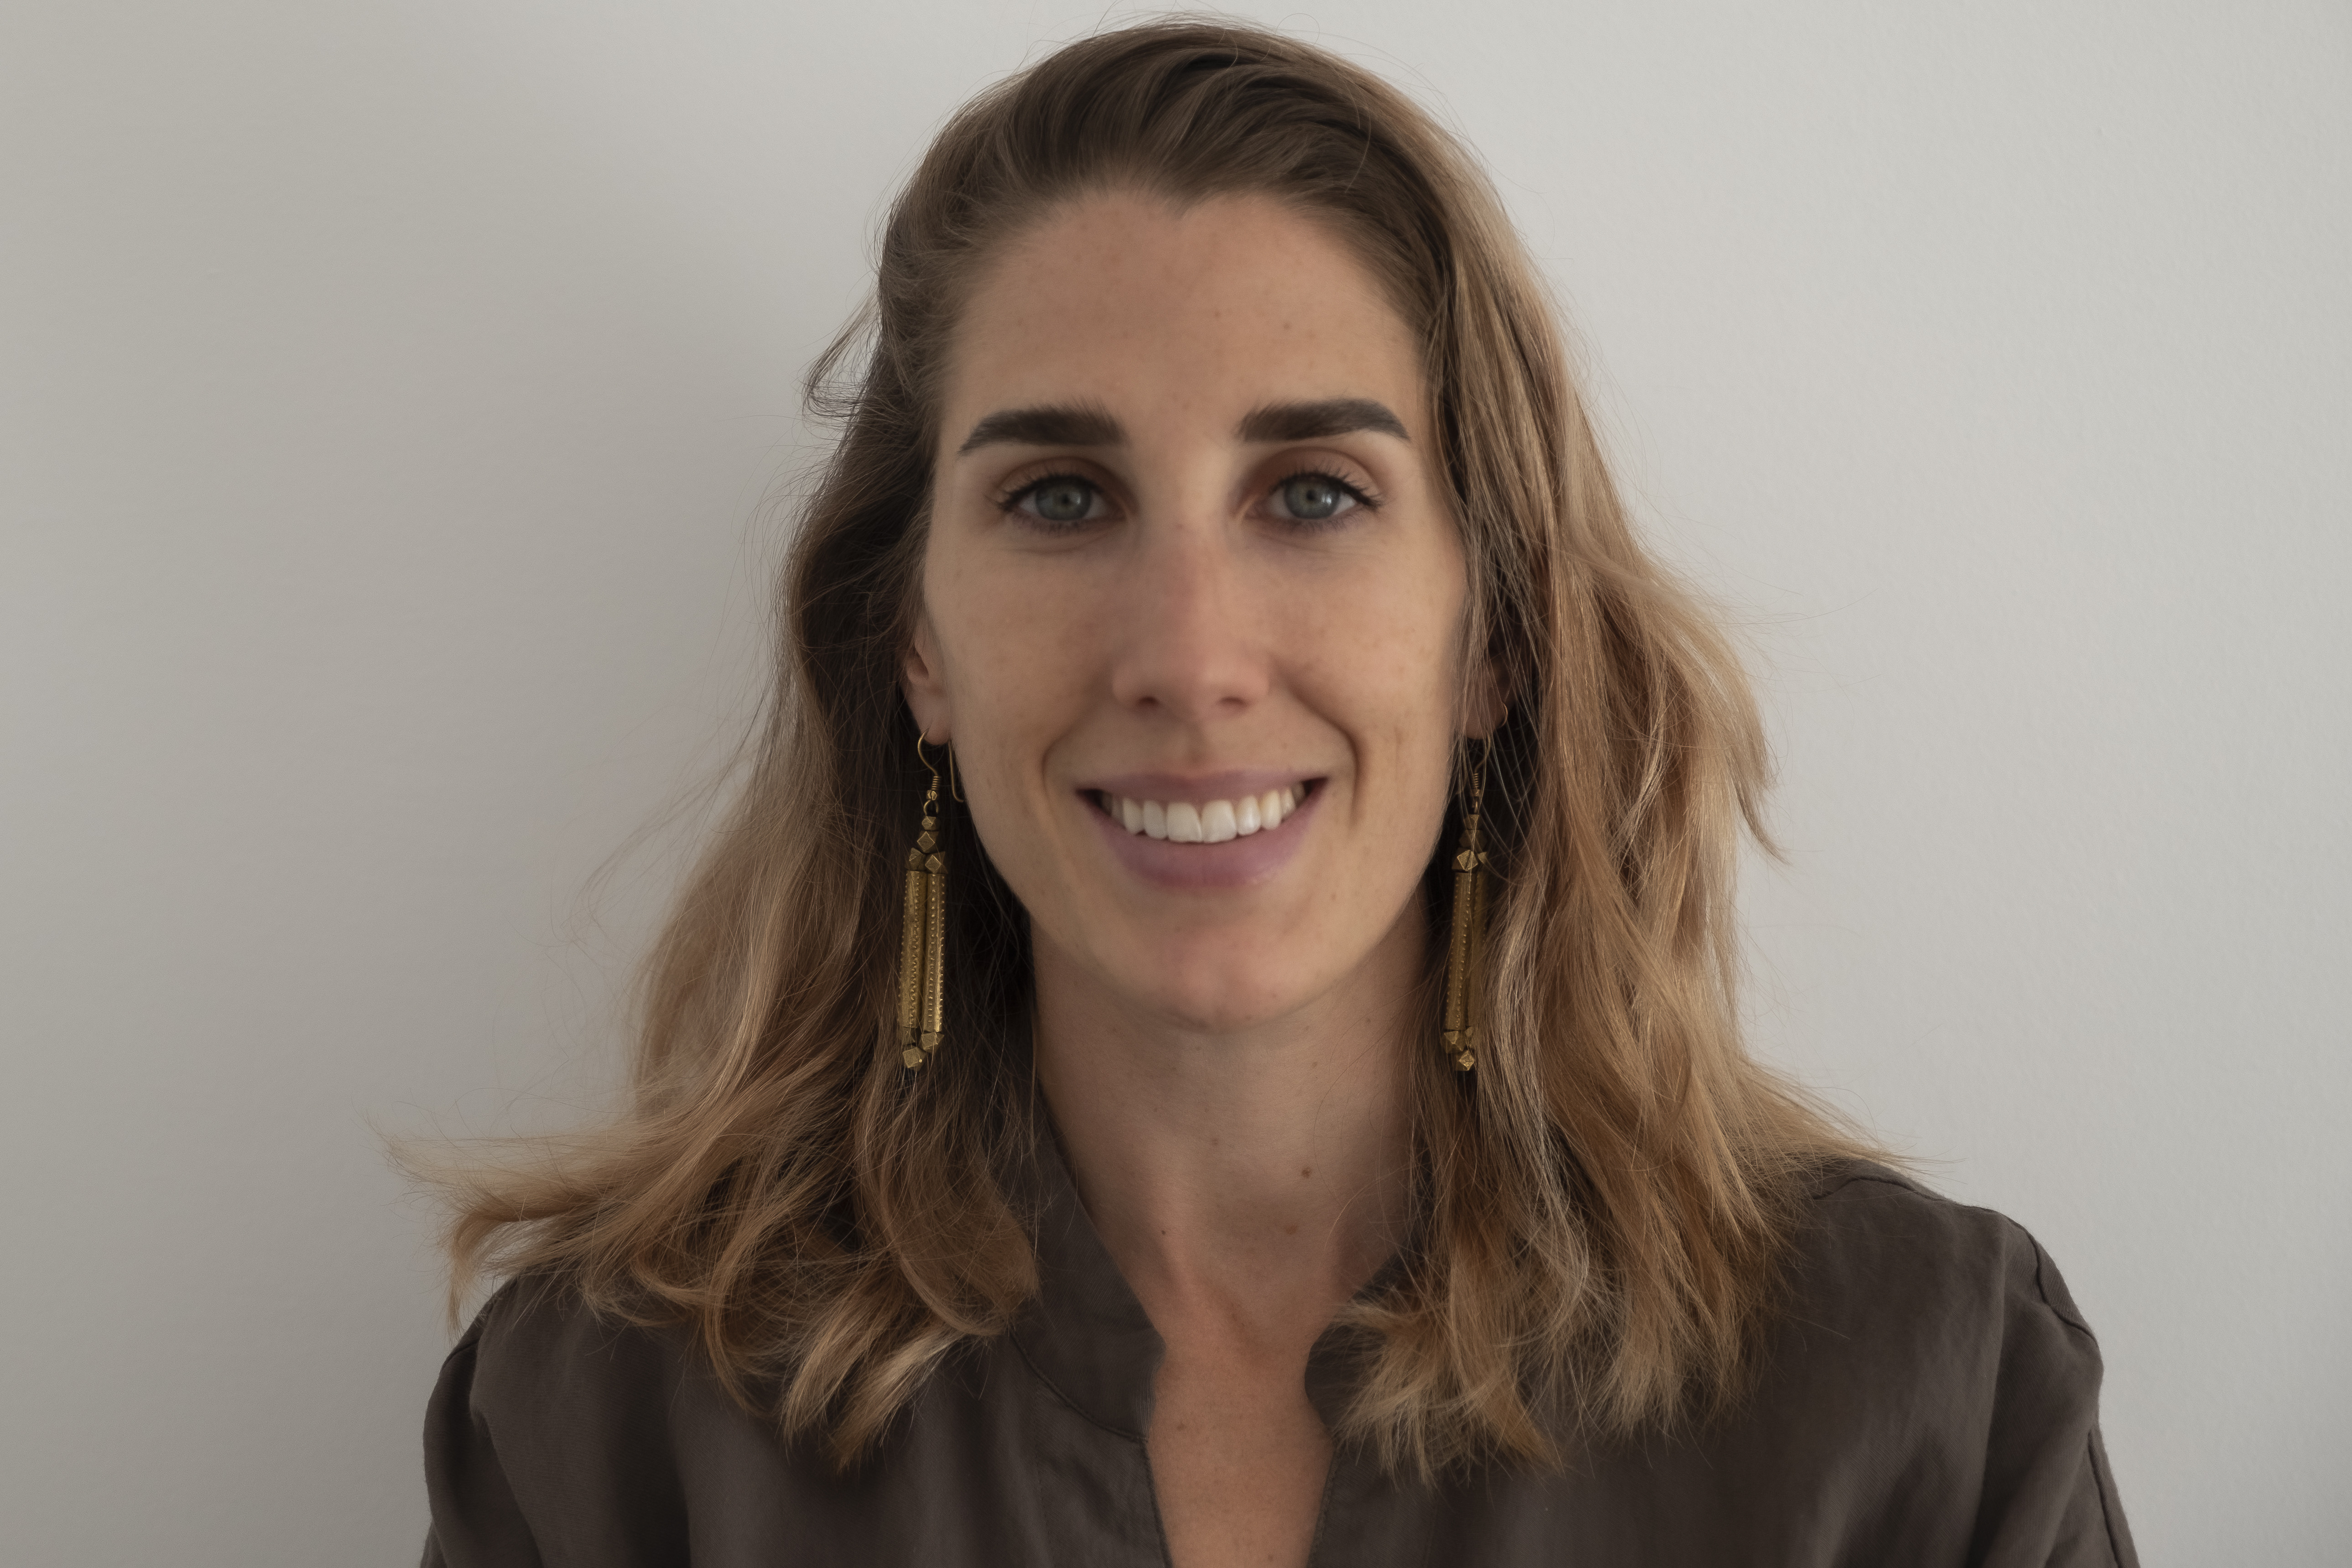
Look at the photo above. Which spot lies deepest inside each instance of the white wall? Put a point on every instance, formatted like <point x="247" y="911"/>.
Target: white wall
<point x="387" y="394"/>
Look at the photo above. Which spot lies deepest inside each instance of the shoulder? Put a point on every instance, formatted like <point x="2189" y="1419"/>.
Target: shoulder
<point x="1870" y="1237"/>
<point x="1925" y="1393"/>
<point x="1955" y="1313"/>
<point x="542" y="1360"/>
<point x="558" y="1434"/>
<point x="551" y="1422"/>
<point x="1929" y="1354"/>
<point x="538" y="1337"/>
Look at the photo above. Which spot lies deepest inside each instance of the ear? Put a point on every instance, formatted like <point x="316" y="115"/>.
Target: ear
<point x="1487" y="704"/>
<point x="922" y="678"/>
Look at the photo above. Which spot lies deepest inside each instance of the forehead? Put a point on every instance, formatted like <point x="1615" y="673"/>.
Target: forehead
<point x="1126" y="299"/>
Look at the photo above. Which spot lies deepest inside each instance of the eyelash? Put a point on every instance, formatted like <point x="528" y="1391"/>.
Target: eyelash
<point x="1363" y="495"/>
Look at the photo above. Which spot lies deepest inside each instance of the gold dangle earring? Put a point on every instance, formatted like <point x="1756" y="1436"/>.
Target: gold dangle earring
<point x="1465" y="952"/>
<point x="923" y="931"/>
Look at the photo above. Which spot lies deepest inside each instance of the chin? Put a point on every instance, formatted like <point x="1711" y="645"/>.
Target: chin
<point x="1222" y="991"/>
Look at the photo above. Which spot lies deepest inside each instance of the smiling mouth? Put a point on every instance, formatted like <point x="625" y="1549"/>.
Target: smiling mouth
<point x="1206" y="821"/>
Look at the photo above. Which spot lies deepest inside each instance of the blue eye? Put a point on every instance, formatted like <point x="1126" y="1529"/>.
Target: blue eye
<point x="1059" y="498"/>
<point x="1311" y="498"/>
<point x="1316" y="497"/>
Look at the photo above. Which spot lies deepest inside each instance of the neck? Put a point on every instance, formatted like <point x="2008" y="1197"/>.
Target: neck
<point x="1261" y="1171"/>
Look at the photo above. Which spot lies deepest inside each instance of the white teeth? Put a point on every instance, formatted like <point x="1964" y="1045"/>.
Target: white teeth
<point x="1209" y="822"/>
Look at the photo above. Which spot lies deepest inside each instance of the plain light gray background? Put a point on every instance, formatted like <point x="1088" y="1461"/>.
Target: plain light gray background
<point x="388" y="398"/>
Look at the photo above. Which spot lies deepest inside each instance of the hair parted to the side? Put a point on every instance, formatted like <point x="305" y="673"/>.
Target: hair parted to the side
<point x="1603" y="1204"/>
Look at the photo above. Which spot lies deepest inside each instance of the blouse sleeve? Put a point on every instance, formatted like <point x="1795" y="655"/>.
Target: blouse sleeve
<point x="2048" y="1498"/>
<point x="477" y="1522"/>
<point x="548" y="1443"/>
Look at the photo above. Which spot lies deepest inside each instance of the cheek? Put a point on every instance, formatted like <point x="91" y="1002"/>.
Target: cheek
<point x="1019" y="657"/>
<point x="1394" y="646"/>
<point x="1014" y="659"/>
<point x="1409" y="679"/>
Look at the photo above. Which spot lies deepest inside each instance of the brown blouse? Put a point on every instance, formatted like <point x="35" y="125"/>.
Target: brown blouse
<point x="1931" y="1397"/>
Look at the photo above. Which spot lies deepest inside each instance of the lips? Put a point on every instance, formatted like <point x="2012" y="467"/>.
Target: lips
<point x="1190" y="833"/>
<point x="1204" y="821"/>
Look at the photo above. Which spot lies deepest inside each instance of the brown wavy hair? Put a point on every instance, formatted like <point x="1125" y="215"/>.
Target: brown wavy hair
<point x="1603" y="1205"/>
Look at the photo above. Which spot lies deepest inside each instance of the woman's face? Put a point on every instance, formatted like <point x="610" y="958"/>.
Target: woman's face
<point x="1192" y="606"/>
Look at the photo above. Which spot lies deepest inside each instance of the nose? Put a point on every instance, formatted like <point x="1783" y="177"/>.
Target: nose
<point x="1193" y="644"/>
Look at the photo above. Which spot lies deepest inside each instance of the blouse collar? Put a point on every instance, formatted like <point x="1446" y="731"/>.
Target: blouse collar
<point x="1088" y="1337"/>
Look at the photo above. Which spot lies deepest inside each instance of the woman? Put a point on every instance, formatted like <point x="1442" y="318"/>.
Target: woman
<point x="1209" y="1035"/>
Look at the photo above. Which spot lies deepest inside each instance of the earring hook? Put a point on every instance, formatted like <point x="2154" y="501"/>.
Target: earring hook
<point x="954" y="791"/>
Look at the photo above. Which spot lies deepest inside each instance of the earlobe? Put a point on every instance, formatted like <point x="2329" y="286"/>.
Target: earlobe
<point x="1487" y="704"/>
<point x="919" y="681"/>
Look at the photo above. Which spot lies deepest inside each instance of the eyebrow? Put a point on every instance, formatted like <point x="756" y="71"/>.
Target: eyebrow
<point x="1083" y="425"/>
<point x="1315" y="421"/>
<point x="1058" y="425"/>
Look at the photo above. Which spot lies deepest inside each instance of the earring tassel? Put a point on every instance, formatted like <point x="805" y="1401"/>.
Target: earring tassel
<point x="1465" y="949"/>
<point x="935" y="901"/>
<point x="922" y="942"/>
